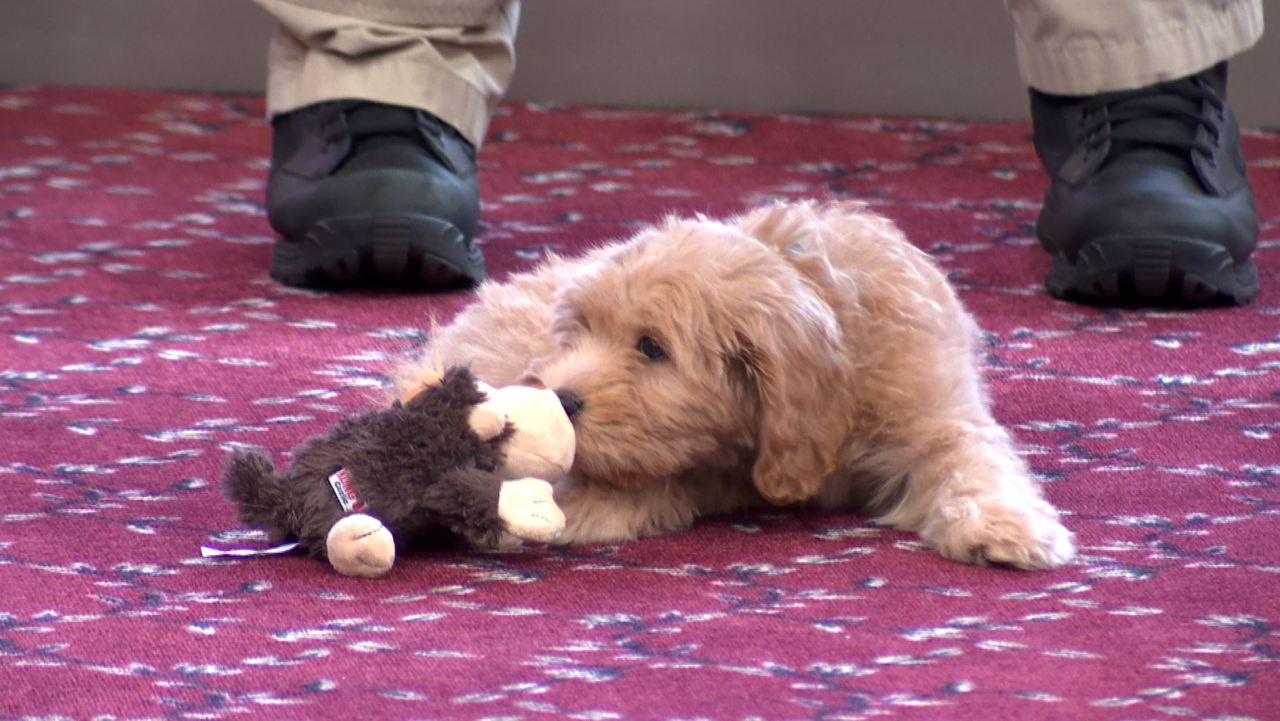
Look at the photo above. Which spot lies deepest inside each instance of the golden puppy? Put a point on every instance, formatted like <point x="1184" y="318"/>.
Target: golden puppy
<point x="797" y="354"/>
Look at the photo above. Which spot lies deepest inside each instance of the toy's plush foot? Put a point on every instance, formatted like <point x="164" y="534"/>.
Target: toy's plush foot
<point x="528" y="506"/>
<point x="359" y="545"/>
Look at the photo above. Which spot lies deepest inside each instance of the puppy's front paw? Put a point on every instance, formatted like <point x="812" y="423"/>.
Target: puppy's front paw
<point x="1025" y="533"/>
<point x="528" y="506"/>
<point x="359" y="545"/>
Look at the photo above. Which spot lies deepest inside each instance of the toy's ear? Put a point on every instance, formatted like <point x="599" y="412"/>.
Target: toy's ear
<point x="487" y="422"/>
<point x="417" y="380"/>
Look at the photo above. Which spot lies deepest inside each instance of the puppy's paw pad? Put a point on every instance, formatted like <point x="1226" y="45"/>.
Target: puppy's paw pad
<point x="1049" y="547"/>
<point x="996" y="531"/>
<point x="529" y="509"/>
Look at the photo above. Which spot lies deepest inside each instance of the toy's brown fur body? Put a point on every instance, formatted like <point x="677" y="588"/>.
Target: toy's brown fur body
<point x="418" y="467"/>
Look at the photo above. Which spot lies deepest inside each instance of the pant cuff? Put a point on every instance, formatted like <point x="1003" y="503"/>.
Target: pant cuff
<point x="321" y="77"/>
<point x="1096" y="65"/>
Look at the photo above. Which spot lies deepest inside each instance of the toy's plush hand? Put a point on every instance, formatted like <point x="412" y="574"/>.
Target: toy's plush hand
<point x="359" y="545"/>
<point x="528" y="506"/>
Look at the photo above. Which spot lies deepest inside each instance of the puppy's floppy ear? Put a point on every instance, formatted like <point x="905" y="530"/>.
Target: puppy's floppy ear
<point x="413" y="377"/>
<point x="791" y="345"/>
<point x="792" y="351"/>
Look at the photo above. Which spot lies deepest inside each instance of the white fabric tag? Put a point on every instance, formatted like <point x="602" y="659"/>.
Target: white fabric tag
<point x="345" y="490"/>
<point x="208" y="552"/>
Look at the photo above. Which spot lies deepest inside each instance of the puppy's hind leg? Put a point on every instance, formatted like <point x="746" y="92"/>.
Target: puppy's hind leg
<point x="962" y="487"/>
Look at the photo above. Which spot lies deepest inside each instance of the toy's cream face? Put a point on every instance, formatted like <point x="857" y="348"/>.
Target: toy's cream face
<point x="543" y="444"/>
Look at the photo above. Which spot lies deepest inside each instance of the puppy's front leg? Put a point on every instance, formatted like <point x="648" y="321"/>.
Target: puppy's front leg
<point x="966" y="492"/>
<point x="599" y="513"/>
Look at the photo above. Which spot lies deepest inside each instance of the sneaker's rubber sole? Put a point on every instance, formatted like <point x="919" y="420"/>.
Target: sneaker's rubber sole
<point x="1169" y="270"/>
<point x="414" y="251"/>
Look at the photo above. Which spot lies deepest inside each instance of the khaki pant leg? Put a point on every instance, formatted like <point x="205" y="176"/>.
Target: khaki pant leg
<point x="452" y="58"/>
<point x="1082" y="47"/>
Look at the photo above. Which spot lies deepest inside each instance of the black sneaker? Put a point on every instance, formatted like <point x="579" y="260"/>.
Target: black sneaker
<point x="1149" y="202"/>
<point x="372" y="195"/>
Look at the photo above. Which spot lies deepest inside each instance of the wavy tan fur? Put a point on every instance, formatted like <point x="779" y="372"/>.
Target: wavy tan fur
<point x="814" y="356"/>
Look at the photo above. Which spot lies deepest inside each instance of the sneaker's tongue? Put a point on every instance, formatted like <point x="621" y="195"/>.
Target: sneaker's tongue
<point x="1153" y="129"/>
<point x="372" y="119"/>
<point x="387" y="128"/>
<point x="376" y="128"/>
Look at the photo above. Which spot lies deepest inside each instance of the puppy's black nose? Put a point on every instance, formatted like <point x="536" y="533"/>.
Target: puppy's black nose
<point x="570" y="401"/>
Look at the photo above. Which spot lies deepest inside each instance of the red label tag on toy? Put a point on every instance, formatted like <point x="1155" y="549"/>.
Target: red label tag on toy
<point x="345" y="490"/>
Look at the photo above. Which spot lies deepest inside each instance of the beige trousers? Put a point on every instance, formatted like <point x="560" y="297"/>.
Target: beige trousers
<point x="454" y="58"/>
<point x="1082" y="47"/>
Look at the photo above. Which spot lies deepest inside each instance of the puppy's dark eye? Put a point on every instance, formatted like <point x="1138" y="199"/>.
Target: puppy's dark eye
<point x="651" y="349"/>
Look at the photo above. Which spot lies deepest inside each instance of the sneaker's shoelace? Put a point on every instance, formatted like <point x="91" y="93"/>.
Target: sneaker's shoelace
<point x="1167" y="116"/>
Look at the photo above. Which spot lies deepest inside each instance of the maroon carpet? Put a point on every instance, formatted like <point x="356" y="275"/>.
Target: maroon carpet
<point x="142" y="336"/>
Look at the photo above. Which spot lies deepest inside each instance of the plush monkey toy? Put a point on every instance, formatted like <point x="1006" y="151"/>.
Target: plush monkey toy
<point x="460" y="457"/>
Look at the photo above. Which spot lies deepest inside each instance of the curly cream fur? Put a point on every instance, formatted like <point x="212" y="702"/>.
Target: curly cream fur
<point x="815" y="356"/>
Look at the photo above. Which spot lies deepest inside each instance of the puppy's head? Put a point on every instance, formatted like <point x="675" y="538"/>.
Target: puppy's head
<point x="696" y="347"/>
